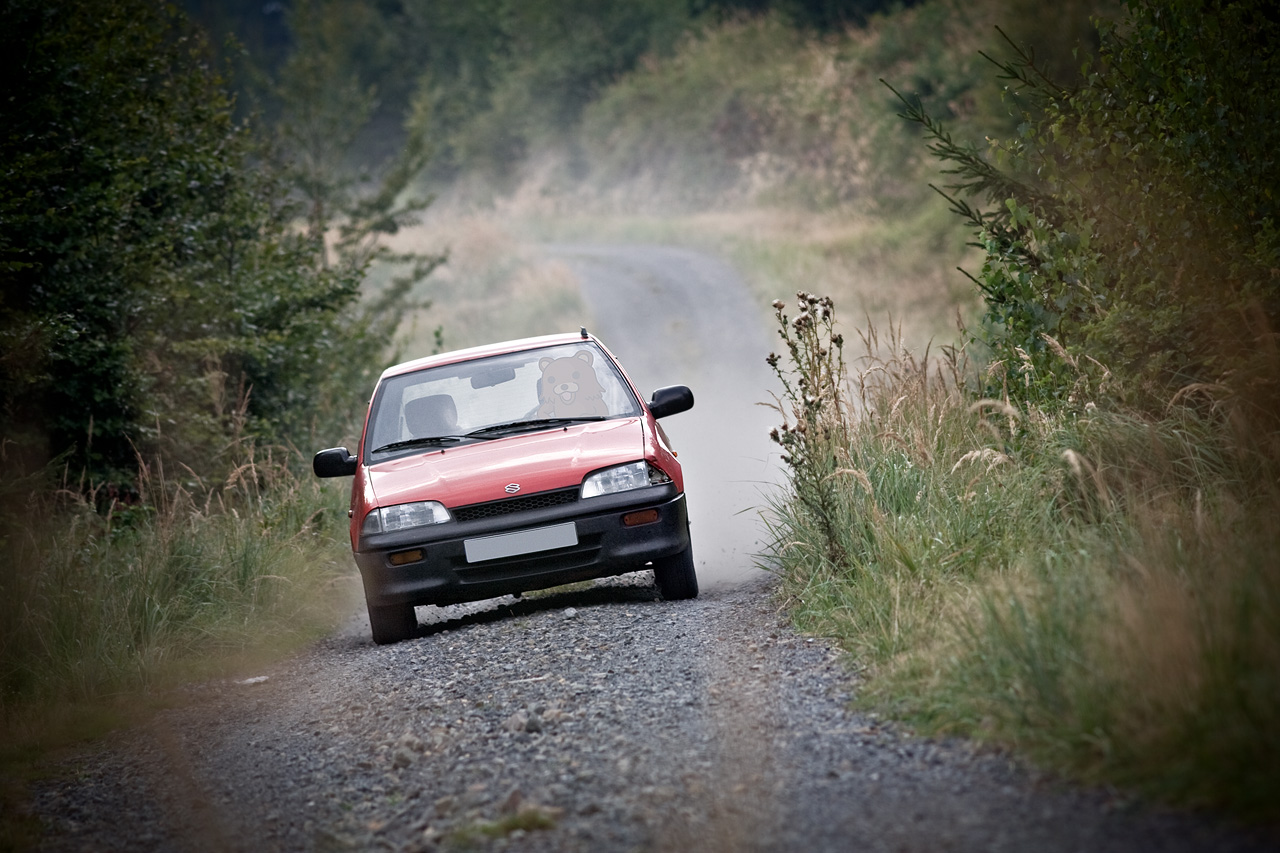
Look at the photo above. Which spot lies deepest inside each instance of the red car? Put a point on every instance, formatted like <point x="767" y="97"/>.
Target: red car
<point x="511" y="467"/>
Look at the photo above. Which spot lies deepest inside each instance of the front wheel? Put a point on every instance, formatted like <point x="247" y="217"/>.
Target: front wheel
<point x="675" y="576"/>
<point x="392" y="624"/>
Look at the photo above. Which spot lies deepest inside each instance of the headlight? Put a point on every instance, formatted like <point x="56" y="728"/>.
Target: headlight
<point x="634" y="475"/>
<point x="403" y="516"/>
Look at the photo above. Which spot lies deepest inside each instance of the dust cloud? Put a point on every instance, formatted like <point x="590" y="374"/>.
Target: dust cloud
<point x="679" y="317"/>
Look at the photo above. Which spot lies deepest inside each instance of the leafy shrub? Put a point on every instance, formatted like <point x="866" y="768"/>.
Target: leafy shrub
<point x="159" y="296"/>
<point x="1135" y="221"/>
<point x="755" y="108"/>
<point x="1091" y="587"/>
<point x="94" y="604"/>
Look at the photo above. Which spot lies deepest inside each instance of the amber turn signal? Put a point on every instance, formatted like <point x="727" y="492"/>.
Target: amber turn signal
<point x="645" y="516"/>
<point x="399" y="558"/>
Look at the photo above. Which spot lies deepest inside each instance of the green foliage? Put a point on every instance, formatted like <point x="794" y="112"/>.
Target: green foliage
<point x="1137" y="220"/>
<point x="504" y="78"/>
<point x="95" y="604"/>
<point x="158" y="296"/>
<point x="820" y="15"/>
<point x="349" y="209"/>
<point x="107" y="141"/>
<point x="1093" y="588"/>
<point x="756" y="109"/>
<point x="685" y="123"/>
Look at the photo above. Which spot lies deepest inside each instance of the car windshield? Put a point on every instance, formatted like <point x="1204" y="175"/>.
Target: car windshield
<point x="487" y="398"/>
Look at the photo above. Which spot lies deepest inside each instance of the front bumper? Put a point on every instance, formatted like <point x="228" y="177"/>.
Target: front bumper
<point x="605" y="546"/>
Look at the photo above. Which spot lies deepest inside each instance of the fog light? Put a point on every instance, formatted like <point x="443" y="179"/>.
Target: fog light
<point x="644" y="516"/>
<point x="399" y="558"/>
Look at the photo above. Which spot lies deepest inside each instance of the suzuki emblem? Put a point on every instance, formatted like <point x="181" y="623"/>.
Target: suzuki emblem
<point x="512" y="488"/>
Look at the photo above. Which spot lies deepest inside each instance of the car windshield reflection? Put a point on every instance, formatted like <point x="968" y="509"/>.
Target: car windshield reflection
<point x="488" y="398"/>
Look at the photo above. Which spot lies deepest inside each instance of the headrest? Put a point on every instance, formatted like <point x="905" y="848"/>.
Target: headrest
<point x="433" y="415"/>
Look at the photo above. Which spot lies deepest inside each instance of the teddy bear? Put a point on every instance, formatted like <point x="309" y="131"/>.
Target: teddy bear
<point x="569" y="387"/>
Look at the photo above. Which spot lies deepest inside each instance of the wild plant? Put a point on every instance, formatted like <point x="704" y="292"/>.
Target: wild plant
<point x="1090" y="584"/>
<point x="814" y="410"/>
<point x="106" y="592"/>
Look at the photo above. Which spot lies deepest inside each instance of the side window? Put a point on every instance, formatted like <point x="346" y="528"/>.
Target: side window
<point x="385" y="420"/>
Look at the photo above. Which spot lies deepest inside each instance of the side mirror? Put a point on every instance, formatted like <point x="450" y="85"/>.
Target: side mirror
<point x="334" y="462"/>
<point x="671" y="401"/>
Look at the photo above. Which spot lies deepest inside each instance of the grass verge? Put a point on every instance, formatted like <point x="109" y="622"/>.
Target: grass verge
<point x="103" y="614"/>
<point x="494" y="286"/>
<point x="1093" y="588"/>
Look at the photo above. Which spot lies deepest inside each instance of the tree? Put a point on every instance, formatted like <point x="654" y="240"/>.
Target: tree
<point x="509" y="77"/>
<point x="157" y="295"/>
<point x="1137" y="214"/>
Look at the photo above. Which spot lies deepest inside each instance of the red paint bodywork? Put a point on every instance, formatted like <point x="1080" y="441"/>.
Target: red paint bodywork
<point x="539" y="461"/>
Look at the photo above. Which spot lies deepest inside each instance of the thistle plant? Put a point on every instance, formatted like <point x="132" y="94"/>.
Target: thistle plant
<point x="814" y="408"/>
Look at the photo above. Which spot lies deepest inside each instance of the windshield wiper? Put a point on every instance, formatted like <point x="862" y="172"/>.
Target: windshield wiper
<point x="536" y="423"/>
<point x="423" y="441"/>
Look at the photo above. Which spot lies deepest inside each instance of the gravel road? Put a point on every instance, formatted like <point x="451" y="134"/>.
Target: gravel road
<point x="597" y="719"/>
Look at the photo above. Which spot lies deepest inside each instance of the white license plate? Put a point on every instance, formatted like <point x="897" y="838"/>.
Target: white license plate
<point x="521" y="542"/>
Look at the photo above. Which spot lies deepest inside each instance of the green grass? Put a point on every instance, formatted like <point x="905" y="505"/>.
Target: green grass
<point x="495" y="286"/>
<point x="524" y="820"/>
<point x="103" y="611"/>
<point x="1094" y="588"/>
<point x="98" y="602"/>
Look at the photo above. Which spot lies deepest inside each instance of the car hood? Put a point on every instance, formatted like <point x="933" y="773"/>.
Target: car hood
<point x="536" y="462"/>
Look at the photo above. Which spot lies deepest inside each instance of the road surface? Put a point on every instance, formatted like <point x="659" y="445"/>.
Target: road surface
<point x="600" y="719"/>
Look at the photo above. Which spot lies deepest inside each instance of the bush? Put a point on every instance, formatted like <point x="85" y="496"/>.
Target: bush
<point x="753" y="108"/>
<point x="171" y="584"/>
<point x="1135" y="222"/>
<point x="158" y="295"/>
<point x="1091" y="587"/>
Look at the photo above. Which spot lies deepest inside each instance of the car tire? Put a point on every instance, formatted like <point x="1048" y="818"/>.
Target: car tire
<point x="392" y="624"/>
<point x="676" y="577"/>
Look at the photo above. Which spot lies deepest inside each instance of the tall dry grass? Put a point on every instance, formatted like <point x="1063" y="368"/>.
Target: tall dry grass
<point x="495" y="285"/>
<point x="1092" y="587"/>
<point x="104" y="597"/>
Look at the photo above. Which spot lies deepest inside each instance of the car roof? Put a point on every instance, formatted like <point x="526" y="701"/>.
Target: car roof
<point x="486" y="350"/>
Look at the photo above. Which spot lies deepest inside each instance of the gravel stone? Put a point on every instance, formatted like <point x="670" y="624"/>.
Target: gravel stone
<point x="581" y="736"/>
<point x="702" y="725"/>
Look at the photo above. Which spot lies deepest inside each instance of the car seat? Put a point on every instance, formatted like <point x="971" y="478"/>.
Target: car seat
<point x="436" y="414"/>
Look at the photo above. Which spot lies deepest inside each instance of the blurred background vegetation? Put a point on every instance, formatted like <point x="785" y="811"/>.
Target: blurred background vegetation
<point x="219" y="221"/>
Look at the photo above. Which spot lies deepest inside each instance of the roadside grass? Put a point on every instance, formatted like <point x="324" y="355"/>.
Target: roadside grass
<point x="493" y="287"/>
<point x="528" y="818"/>
<point x="103" y="614"/>
<point x="842" y="253"/>
<point x="1095" y="589"/>
<point x="780" y="152"/>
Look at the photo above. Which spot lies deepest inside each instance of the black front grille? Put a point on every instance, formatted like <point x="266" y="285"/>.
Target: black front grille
<point x="493" y="509"/>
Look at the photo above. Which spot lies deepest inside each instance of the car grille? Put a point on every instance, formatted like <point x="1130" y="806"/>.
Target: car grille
<point x="493" y="509"/>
